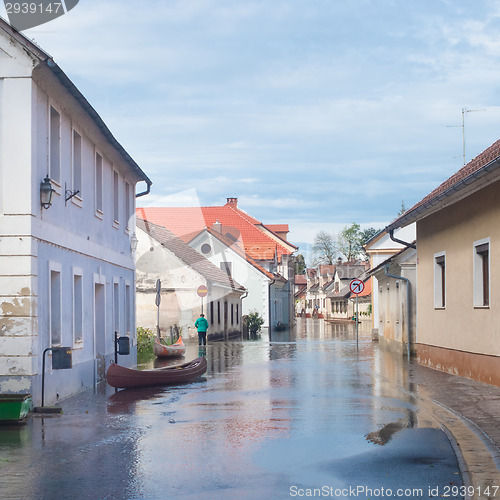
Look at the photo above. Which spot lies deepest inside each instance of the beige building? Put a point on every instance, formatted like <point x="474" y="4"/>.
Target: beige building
<point x="458" y="271"/>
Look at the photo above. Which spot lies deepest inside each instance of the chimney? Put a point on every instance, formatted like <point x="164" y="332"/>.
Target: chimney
<point x="232" y="201"/>
<point x="217" y="227"/>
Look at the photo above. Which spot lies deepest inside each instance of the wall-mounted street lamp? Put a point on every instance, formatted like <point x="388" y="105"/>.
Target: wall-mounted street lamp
<point x="46" y="192"/>
<point x="133" y="242"/>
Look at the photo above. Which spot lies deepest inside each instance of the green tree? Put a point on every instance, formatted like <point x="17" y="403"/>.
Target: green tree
<point x="367" y="234"/>
<point x="324" y="248"/>
<point x="300" y="264"/>
<point x="349" y="242"/>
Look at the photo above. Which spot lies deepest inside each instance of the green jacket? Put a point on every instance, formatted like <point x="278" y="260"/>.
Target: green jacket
<point x="201" y="324"/>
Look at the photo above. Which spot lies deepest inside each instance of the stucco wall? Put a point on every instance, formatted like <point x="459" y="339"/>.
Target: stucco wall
<point x="453" y="230"/>
<point x="68" y="236"/>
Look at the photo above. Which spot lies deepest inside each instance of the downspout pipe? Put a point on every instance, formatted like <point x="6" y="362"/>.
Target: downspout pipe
<point x="271" y="283"/>
<point x="144" y="193"/>
<point x="405" y="243"/>
<point x="386" y="269"/>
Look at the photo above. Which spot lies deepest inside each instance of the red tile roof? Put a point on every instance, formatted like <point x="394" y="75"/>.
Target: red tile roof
<point x="187" y="221"/>
<point x="482" y="160"/>
<point x="237" y="249"/>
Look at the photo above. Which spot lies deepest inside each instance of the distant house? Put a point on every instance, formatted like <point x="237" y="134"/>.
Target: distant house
<point x="267" y="292"/>
<point x="380" y="248"/>
<point x="67" y="270"/>
<point x="458" y="271"/>
<point x="300" y="294"/>
<point x="263" y="246"/>
<point x="181" y="271"/>
<point x="339" y="292"/>
<point x="395" y="280"/>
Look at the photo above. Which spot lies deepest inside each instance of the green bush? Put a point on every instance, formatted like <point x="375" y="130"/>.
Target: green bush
<point x="254" y="321"/>
<point x="145" y="341"/>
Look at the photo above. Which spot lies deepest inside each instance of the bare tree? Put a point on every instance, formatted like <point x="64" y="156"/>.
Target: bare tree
<point x="324" y="248"/>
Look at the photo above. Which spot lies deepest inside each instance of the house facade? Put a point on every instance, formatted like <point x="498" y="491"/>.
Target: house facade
<point x="181" y="271"/>
<point x="67" y="272"/>
<point x="396" y="280"/>
<point x="380" y="248"/>
<point x="458" y="272"/>
<point x="258" y="243"/>
<point x="266" y="291"/>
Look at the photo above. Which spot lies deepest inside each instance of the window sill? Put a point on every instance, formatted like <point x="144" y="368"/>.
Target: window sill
<point x="481" y="307"/>
<point x="116" y="224"/>
<point x="99" y="214"/>
<point x="440" y="309"/>
<point x="77" y="201"/>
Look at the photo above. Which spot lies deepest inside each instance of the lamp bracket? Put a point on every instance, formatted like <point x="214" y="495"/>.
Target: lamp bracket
<point x="69" y="194"/>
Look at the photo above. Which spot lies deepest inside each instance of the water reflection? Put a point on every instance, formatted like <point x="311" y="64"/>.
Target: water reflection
<point x="269" y="413"/>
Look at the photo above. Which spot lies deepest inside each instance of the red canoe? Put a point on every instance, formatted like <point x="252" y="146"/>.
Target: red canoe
<point x="169" y="351"/>
<point x="121" y="377"/>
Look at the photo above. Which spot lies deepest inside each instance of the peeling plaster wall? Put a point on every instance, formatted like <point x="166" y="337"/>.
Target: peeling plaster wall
<point x="180" y="305"/>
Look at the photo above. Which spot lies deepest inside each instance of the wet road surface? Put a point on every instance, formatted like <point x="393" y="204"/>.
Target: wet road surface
<point x="304" y="415"/>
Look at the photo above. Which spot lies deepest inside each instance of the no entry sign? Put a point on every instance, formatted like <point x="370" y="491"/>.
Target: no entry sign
<point x="356" y="286"/>
<point x="202" y="291"/>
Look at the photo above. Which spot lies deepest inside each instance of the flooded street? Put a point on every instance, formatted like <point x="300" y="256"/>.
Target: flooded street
<point x="282" y="419"/>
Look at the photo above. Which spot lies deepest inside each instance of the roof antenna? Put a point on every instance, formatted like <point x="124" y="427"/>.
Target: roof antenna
<point x="464" y="112"/>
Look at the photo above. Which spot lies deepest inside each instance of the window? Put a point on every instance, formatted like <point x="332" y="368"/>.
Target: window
<point x="226" y="267"/>
<point x="211" y="313"/>
<point x="482" y="273"/>
<point x="232" y="314"/>
<point x="55" y="145"/>
<point x="237" y="314"/>
<point x="98" y="183"/>
<point x="77" y="163"/>
<point x="218" y="312"/>
<point x="55" y="305"/>
<point x="440" y="280"/>
<point x="116" y="307"/>
<point x="128" y="309"/>
<point x="77" y="306"/>
<point x="206" y="249"/>
<point x="116" y="200"/>
<point x="127" y="206"/>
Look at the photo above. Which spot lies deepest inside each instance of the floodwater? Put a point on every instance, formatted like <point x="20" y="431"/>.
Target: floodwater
<point x="308" y="414"/>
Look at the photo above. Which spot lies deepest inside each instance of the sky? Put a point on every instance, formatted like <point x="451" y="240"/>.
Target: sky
<point x="314" y="113"/>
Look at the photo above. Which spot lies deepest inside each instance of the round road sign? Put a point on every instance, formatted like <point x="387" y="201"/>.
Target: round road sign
<point x="356" y="286"/>
<point x="202" y="291"/>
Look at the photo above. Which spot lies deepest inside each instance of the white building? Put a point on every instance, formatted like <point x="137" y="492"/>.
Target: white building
<point x="380" y="248"/>
<point x="67" y="273"/>
<point x="181" y="271"/>
<point x="268" y="293"/>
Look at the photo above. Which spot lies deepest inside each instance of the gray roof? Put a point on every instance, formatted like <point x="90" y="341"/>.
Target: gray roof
<point x="189" y="255"/>
<point x="350" y="272"/>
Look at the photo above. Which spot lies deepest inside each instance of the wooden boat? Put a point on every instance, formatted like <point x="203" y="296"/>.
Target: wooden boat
<point x="121" y="377"/>
<point x="169" y="351"/>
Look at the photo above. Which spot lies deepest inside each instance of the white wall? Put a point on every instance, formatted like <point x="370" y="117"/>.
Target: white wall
<point x="244" y="273"/>
<point x="67" y="237"/>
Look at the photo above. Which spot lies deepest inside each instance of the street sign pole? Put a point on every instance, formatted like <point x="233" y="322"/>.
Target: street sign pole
<point x="357" y="286"/>
<point x="202" y="291"/>
<point x="357" y="324"/>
